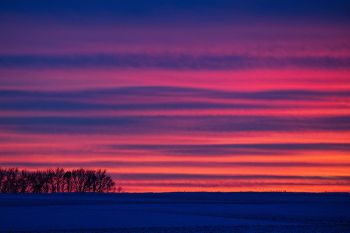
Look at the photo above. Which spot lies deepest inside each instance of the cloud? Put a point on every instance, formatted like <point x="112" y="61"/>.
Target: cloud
<point x="177" y="98"/>
<point x="235" y="149"/>
<point x="169" y="61"/>
<point x="183" y="176"/>
<point x="173" y="91"/>
<point x="179" y="164"/>
<point x="194" y="151"/>
<point x="57" y="105"/>
<point x="172" y="124"/>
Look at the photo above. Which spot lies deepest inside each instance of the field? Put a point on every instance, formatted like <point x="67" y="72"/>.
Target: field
<point x="176" y="212"/>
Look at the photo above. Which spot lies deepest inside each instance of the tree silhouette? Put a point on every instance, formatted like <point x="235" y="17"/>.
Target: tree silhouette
<point x="13" y="180"/>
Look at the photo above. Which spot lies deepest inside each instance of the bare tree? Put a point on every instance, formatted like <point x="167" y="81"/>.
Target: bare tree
<point x="23" y="182"/>
<point x="13" y="180"/>
<point x="59" y="179"/>
<point x="67" y="178"/>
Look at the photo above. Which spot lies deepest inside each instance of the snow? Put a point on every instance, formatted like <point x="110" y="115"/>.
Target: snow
<point x="175" y="212"/>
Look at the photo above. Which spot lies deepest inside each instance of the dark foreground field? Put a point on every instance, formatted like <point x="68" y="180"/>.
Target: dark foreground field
<point x="176" y="212"/>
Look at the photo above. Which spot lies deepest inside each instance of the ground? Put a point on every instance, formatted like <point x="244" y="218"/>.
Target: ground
<point x="176" y="212"/>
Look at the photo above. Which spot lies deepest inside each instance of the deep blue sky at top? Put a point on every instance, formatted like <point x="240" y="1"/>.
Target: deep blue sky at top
<point x="170" y="10"/>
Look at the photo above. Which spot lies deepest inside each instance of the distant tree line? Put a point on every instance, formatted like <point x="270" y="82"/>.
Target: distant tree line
<point x="13" y="180"/>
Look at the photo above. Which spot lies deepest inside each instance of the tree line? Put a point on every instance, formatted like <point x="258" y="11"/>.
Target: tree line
<point x="13" y="180"/>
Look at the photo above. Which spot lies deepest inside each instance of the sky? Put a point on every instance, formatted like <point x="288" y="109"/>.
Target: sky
<point x="171" y="95"/>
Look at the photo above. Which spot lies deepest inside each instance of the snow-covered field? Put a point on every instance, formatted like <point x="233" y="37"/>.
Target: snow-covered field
<point x="176" y="212"/>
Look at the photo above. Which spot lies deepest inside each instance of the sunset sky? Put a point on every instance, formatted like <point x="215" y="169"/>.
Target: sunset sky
<point x="179" y="95"/>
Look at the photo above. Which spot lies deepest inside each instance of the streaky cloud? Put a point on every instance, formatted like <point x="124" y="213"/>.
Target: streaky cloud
<point x="170" y="61"/>
<point x="142" y="91"/>
<point x="236" y="149"/>
<point x="155" y="164"/>
<point x="171" y="124"/>
<point x="195" y="98"/>
<point x="184" y="176"/>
